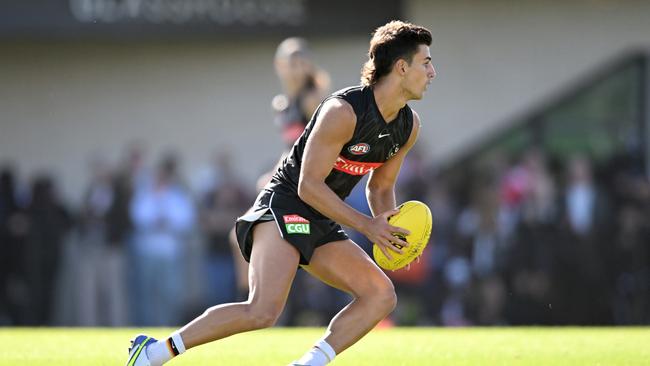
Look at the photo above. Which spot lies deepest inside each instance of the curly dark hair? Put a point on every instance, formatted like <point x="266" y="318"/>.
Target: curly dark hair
<point x="390" y="42"/>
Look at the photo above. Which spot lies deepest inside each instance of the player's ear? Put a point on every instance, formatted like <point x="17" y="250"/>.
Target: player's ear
<point x="401" y="66"/>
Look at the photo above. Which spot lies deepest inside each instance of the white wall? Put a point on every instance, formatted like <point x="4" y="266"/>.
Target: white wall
<point x="59" y="102"/>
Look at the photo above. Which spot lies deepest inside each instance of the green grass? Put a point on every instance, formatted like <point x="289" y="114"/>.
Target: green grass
<point x="394" y="347"/>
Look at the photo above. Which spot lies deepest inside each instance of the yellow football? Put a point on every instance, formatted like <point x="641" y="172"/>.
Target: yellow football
<point x="415" y="217"/>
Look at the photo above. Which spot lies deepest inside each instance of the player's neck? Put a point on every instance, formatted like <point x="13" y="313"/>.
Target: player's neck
<point x="389" y="99"/>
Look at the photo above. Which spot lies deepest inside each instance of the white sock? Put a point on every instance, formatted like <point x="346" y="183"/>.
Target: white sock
<point x="319" y="355"/>
<point x="164" y="350"/>
<point x="159" y="353"/>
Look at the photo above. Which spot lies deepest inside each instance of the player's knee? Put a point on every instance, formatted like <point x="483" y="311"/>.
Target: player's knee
<point x="384" y="297"/>
<point x="387" y="299"/>
<point x="264" y="316"/>
<point x="265" y="319"/>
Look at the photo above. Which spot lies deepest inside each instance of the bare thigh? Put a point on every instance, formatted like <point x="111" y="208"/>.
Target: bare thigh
<point x="272" y="267"/>
<point x="345" y="266"/>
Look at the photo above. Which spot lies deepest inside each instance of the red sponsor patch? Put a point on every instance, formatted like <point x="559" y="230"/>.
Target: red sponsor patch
<point x="292" y="219"/>
<point x="354" y="167"/>
<point x="359" y="149"/>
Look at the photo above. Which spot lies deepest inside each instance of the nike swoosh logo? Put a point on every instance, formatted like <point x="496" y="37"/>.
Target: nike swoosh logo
<point x="383" y="135"/>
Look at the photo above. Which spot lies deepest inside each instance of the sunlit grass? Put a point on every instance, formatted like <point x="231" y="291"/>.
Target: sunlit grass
<point x="396" y="346"/>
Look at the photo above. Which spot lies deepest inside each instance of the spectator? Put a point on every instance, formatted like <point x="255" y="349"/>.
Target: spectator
<point x="13" y="230"/>
<point x="48" y="224"/>
<point x="163" y="214"/>
<point x="102" y="300"/>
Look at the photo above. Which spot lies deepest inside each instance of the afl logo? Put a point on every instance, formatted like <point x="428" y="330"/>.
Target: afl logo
<point x="359" y="149"/>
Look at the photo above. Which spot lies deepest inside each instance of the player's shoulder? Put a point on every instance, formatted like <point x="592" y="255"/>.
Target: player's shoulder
<point x="411" y="114"/>
<point x="414" y="125"/>
<point x="359" y="97"/>
<point x="336" y="117"/>
<point x="416" y="116"/>
<point x="350" y="91"/>
<point x="344" y="102"/>
<point x="338" y="109"/>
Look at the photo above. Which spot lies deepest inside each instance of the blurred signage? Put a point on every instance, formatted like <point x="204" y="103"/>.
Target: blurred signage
<point x="221" y="12"/>
<point x="137" y="19"/>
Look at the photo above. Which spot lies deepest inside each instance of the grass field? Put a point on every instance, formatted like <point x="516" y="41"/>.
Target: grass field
<point x="394" y="347"/>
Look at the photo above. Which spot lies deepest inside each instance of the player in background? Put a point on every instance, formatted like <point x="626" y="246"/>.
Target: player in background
<point x="295" y="220"/>
<point x="304" y="85"/>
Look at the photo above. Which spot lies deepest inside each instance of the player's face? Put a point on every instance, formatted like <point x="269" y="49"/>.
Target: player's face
<point x="293" y="71"/>
<point x="419" y="73"/>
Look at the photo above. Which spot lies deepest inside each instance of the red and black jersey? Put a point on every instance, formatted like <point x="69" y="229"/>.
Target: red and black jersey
<point x="374" y="142"/>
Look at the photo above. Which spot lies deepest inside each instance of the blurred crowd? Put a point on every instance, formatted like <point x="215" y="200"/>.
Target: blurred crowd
<point x="143" y="248"/>
<point x="517" y="240"/>
<point x="527" y="239"/>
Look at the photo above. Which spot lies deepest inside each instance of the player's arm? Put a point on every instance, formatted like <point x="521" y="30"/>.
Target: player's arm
<point x="380" y="190"/>
<point x="333" y="128"/>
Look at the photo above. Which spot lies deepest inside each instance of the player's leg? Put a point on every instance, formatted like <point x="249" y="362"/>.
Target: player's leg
<point x="342" y="264"/>
<point x="272" y="269"/>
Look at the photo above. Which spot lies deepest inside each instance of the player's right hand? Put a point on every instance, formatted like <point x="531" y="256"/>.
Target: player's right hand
<point x="381" y="233"/>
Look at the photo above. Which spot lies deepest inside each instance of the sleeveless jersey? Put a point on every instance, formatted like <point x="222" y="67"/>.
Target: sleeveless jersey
<point x="374" y="142"/>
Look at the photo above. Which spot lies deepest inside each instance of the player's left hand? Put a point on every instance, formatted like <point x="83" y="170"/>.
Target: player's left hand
<point x="386" y="236"/>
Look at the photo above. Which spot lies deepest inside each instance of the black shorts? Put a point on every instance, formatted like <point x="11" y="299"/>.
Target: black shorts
<point x="298" y="223"/>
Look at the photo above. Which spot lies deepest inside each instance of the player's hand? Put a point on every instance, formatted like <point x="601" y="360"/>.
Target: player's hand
<point x="380" y="232"/>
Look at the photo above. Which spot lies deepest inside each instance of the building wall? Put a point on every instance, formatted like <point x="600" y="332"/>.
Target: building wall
<point x="62" y="102"/>
<point x="497" y="59"/>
